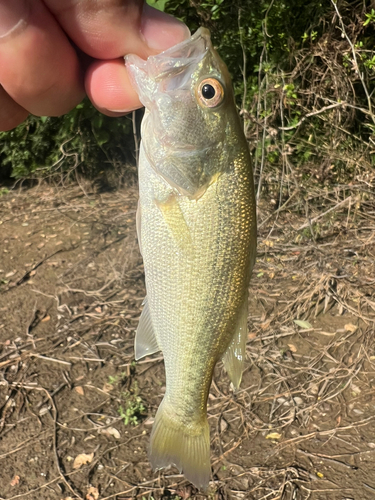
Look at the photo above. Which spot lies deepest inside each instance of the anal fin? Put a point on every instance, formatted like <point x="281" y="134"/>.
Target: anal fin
<point x="145" y="340"/>
<point x="234" y="357"/>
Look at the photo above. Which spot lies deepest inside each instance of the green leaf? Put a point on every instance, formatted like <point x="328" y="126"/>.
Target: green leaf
<point x="98" y="121"/>
<point x="303" y="324"/>
<point x="102" y="137"/>
<point x="157" y="4"/>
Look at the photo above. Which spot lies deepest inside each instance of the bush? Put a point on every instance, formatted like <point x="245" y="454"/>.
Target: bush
<point x="293" y="65"/>
<point x="83" y="139"/>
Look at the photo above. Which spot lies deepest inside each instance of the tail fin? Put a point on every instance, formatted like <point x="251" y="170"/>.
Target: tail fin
<point x="188" y="448"/>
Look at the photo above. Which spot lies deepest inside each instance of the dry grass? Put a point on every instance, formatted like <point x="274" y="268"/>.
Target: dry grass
<point x="306" y="403"/>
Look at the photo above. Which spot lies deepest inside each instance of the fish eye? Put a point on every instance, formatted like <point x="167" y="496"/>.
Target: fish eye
<point x="210" y="92"/>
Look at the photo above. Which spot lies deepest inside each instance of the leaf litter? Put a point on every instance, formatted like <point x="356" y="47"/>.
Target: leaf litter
<point x="305" y="407"/>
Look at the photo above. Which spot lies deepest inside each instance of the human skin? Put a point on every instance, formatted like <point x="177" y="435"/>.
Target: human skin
<point x="52" y="52"/>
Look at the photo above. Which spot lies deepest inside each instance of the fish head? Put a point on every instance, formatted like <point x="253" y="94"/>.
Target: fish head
<point x="191" y="122"/>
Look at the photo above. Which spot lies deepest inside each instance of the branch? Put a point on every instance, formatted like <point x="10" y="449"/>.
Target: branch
<point x="349" y="198"/>
<point x="313" y="113"/>
<point x="355" y="59"/>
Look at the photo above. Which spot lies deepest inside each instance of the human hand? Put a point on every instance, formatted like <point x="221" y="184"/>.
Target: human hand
<point x="52" y="51"/>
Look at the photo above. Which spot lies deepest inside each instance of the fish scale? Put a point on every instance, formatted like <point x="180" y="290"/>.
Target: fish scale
<point x="198" y="239"/>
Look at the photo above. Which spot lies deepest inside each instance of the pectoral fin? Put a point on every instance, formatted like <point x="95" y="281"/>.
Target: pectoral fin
<point x="234" y="356"/>
<point x="174" y="218"/>
<point x="145" y="340"/>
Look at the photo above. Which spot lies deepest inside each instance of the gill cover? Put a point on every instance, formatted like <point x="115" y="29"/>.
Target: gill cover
<point x="184" y="132"/>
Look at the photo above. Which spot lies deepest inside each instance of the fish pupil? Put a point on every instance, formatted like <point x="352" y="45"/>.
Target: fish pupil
<point x="208" y="91"/>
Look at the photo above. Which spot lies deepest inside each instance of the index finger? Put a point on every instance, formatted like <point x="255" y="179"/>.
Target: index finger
<point x="108" y="29"/>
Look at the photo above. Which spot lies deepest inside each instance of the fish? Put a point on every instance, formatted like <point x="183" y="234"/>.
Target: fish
<point x="196" y="225"/>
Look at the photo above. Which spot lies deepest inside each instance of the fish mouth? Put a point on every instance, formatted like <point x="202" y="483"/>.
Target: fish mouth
<point x="170" y="70"/>
<point x="181" y="56"/>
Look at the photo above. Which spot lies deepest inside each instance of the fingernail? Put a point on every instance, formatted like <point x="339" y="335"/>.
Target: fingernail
<point x="120" y="112"/>
<point x="13" y="14"/>
<point x="161" y="30"/>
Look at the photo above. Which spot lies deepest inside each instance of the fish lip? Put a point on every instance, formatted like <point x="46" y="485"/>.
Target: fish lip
<point x="176" y="58"/>
<point x="175" y="51"/>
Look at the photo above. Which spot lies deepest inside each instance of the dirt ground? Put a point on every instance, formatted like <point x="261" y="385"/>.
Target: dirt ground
<point x="76" y="410"/>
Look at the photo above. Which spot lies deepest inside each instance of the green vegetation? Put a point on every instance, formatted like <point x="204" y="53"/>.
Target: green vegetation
<point x="83" y="140"/>
<point x="303" y="75"/>
<point x="116" y="379"/>
<point x="132" y="408"/>
<point x="131" y="405"/>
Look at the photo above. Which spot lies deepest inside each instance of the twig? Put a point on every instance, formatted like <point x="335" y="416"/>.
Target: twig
<point x="313" y="113"/>
<point x="53" y="360"/>
<point x="355" y="60"/>
<point x="244" y="61"/>
<point x="279" y="209"/>
<point x="307" y="224"/>
<point x="26" y="276"/>
<point x="263" y="54"/>
<point x="54" y="438"/>
<point x="45" y="485"/>
<point x="325" y="457"/>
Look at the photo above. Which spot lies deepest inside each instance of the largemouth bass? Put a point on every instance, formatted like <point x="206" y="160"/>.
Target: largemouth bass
<point x="197" y="231"/>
